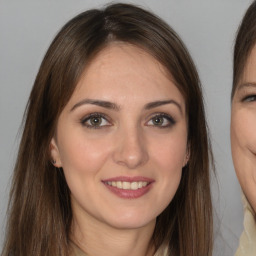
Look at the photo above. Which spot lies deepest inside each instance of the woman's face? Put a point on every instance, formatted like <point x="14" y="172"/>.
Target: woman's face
<point x="243" y="130"/>
<point x="122" y="139"/>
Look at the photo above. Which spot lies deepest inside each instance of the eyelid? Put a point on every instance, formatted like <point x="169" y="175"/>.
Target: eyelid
<point x="86" y="118"/>
<point x="170" y="119"/>
<point x="248" y="97"/>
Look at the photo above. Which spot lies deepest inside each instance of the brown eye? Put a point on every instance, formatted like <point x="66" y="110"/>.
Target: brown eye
<point x="161" y="121"/>
<point x="158" y="121"/>
<point x="95" y="120"/>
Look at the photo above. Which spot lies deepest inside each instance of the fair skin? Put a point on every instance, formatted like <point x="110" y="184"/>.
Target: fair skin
<point x="243" y="130"/>
<point x="122" y="142"/>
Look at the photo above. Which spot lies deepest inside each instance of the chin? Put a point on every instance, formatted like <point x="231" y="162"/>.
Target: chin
<point x="131" y="222"/>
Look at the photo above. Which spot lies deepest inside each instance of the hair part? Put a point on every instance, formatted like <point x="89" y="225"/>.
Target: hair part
<point x="40" y="208"/>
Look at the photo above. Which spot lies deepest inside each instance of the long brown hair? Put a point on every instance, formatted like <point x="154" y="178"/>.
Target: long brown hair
<point x="40" y="213"/>
<point x="245" y="41"/>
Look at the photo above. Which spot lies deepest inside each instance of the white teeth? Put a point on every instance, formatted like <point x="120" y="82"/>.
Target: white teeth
<point x="134" y="185"/>
<point x="128" y="185"/>
<point x="144" y="183"/>
<point x="118" y="184"/>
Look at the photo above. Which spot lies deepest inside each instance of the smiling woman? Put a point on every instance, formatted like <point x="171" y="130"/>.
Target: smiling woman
<point x="132" y="145"/>
<point x="114" y="157"/>
<point x="243" y="125"/>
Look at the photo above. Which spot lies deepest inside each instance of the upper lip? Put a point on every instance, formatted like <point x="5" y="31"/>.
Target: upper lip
<point x="129" y="179"/>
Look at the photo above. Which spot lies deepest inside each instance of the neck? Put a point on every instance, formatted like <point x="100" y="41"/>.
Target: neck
<point x="96" y="238"/>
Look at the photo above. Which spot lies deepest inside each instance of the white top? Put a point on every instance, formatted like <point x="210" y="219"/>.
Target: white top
<point x="247" y="244"/>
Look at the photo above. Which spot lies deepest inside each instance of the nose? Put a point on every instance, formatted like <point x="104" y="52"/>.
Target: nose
<point x="131" y="148"/>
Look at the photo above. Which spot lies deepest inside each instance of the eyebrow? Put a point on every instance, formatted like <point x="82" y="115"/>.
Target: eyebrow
<point x="163" y="102"/>
<point x="100" y="103"/>
<point x="246" y="85"/>
<point x="113" y="106"/>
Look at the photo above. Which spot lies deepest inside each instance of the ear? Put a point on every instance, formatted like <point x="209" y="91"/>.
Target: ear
<point x="187" y="156"/>
<point x="54" y="153"/>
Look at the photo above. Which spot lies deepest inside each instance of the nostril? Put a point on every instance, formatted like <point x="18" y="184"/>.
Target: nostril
<point x="131" y="153"/>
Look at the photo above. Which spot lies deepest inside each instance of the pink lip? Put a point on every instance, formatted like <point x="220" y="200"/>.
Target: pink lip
<point x="129" y="193"/>
<point x="129" y="179"/>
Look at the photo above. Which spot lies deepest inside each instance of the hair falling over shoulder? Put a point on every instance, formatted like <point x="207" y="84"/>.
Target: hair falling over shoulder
<point x="40" y="213"/>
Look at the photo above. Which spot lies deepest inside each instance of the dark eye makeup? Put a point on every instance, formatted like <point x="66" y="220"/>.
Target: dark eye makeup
<point x="95" y="121"/>
<point x="100" y="120"/>
<point x="161" y="120"/>
<point x="249" y="98"/>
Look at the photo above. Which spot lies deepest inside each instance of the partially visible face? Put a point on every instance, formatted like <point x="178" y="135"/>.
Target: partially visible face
<point x="122" y="139"/>
<point x="243" y="130"/>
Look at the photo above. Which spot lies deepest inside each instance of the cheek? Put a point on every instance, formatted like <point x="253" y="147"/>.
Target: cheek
<point x="82" y="160"/>
<point x="243" y="127"/>
<point x="83" y="155"/>
<point x="169" y="154"/>
<point x="168" y="157"/>
<point x="251" y="135"/>
<point x="243" y="141"/>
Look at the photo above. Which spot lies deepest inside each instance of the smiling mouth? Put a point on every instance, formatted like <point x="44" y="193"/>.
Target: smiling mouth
<point x="129" y="187"/>
<point x="125" y="185"/>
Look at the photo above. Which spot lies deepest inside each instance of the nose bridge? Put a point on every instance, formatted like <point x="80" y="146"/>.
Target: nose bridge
<point x="131" y="149"/>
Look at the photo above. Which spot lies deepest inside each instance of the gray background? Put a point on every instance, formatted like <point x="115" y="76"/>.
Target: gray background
<point x="207" y="27"/>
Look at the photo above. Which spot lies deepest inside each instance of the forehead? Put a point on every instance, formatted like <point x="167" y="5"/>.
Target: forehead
<point x="249" y="72"/>
<point x="122" y="53"/>
<point x="248" y="75"/>
<point x="250" y="67"/>
<point x="120" y="66"/>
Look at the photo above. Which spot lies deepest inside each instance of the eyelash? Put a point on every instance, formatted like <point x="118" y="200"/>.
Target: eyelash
<point x="249" y="98"/>
<point x="84" y="120"/>
<point x="94" y="115"/>
<point x="169" y="119"/>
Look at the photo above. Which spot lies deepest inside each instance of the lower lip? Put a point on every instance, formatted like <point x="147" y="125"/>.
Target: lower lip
<point x="129" y="193"/>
